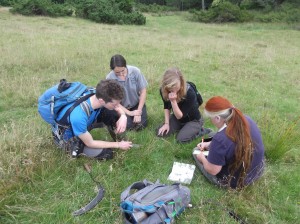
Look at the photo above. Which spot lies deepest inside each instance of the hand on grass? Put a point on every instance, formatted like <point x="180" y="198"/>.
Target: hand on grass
<point x="164" y="129"/>
<point x="124" y="145"/>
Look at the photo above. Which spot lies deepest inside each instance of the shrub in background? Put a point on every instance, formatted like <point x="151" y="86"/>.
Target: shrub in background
<point x="287" y="12"/>
<point x="261" y="4"/>
<point x="293" y="16"/>
<point x="125" y="5"/>
<point x="101" y="11"/>
<point x="109" y="11"/>
<point x="41" y="8"/>
<point x="135" y="18"/>
<point x="249" y="10"/>
<point x="154" y="8"/>
<point x="223" y="12"/>
<point x="7" y="2"/>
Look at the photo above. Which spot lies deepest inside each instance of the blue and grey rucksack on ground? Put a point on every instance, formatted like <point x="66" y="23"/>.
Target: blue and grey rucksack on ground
<point x="153" y="203"/>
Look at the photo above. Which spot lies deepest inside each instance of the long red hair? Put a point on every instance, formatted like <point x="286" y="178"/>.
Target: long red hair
<point x="237" y="130"/>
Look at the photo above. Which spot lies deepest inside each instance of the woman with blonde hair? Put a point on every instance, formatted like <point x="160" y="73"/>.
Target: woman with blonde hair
<point x="180" y="99"/>
<point x="236" y="152"/>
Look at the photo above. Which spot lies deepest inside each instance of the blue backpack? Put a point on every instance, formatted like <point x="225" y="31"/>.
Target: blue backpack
<point x="53" y="100"/>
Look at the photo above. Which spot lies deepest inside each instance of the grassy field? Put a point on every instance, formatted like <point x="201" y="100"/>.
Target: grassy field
<point x="256" y="66"/>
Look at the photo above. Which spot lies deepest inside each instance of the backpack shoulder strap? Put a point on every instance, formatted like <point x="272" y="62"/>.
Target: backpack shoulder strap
<point x="86" y="108"/>
<point x="137" y="186"/>
<point x="198" y="95"/>
<point x="190" y="84"/>
<point x="64" y="119"/>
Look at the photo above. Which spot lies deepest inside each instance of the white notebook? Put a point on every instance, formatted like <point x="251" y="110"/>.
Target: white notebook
<point x="197" y="151"/>
<point x="182" y="172"/>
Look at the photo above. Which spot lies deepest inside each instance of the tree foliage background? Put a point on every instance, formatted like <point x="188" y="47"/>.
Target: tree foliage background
<point x="130" y="11"/>
<point x="102" y="11"/>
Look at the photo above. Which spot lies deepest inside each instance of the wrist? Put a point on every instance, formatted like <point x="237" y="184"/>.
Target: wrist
<point x="199" y="157"/>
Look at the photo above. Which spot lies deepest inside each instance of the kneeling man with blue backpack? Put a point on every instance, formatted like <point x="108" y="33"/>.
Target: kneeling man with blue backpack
<point x="73" y="110"/>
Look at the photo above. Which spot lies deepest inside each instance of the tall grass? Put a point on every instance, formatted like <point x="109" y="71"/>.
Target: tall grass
<point x="254" y="65"/>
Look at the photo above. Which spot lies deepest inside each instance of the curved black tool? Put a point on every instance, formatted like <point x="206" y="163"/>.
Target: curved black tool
<point x="96" y="200"/>
<point x="93" y="202"/>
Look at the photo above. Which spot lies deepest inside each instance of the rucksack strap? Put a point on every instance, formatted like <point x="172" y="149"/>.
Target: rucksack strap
<point x="129" y="207"/>
<point x="135" y="186"/>
<point x="64" y="120"/>
<point x="86" y="108"/>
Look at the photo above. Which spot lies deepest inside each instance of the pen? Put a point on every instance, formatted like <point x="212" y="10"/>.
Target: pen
<point x="202" y="143"/>
<point x="136" y="146"/>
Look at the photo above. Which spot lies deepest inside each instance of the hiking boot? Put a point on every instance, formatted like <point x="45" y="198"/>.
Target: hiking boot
<point x="59" y="143"/>
<point x="106" y="154"/>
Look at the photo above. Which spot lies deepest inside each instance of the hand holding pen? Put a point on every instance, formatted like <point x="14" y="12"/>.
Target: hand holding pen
<point x="200" y="145"/>
<point x="203" y="145"/>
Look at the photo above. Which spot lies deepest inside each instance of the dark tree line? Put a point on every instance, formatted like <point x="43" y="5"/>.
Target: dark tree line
<point x="201" y="4"/>
<point x="130" y="11"/>
<point x="178" y="4"/>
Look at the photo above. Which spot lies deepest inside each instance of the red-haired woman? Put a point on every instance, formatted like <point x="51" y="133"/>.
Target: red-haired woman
<point x="180" y="108"/>
<point x="236" y="152"/>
